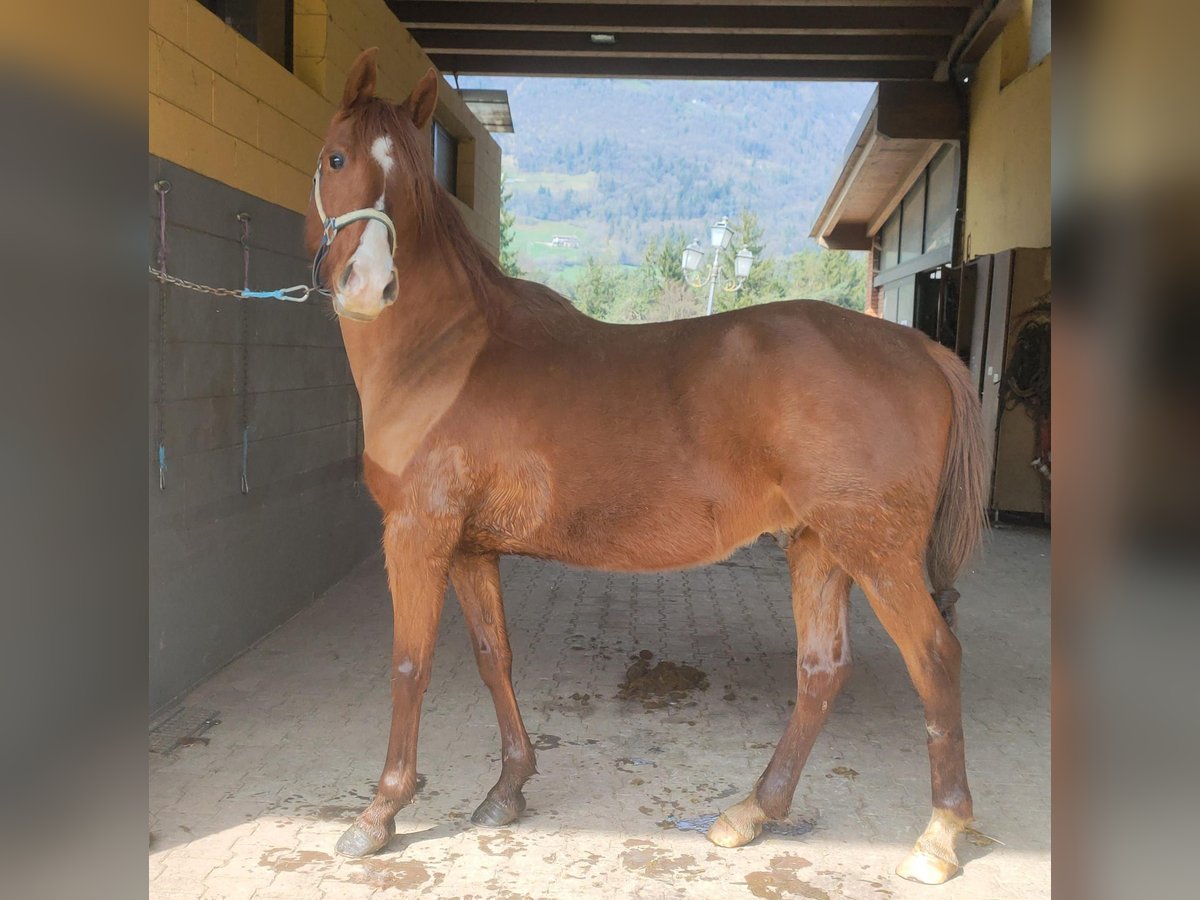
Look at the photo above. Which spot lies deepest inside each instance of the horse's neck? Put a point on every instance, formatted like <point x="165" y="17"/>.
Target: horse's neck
<point x="411" y="363"/>
<point x="434" y="322"/>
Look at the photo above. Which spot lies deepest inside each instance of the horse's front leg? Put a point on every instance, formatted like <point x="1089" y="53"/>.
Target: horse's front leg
<point x="418" y="558"/>
<point x="476" y="580"/>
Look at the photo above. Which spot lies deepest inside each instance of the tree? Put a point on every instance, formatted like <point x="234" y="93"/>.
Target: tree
<point x="835" y="276"/>
<point x="662" y="264"/>
<point x="599" y="289"/>
<point x="508" y="233"/>
<point x="765" y="282"/>
<point x="678" y="301"/>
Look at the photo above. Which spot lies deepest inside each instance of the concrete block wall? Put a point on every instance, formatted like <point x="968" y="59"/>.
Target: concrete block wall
<point x="226" y="567"/>
<point x="233" y="131"/>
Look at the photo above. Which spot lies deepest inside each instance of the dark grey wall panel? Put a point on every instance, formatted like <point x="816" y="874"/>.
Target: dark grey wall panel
<point x="227" y="567"/>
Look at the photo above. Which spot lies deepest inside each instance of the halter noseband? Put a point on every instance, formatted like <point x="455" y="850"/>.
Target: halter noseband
<point x="331" y="225"/>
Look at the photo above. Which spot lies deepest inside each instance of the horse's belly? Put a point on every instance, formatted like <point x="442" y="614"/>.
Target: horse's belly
<point x="633" y="534"/>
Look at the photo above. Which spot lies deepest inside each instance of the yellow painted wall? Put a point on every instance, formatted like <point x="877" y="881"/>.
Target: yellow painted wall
<point x="1008" y="164"/>
<point x="222" y="107"/>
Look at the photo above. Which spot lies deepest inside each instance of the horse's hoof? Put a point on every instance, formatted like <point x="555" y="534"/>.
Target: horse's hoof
<point x="738" y="825"/>
<point x="492" y="813"/>
<point x="925" y="868"/>
<point x="363" y="840"/>
<point x="725" y="832"/>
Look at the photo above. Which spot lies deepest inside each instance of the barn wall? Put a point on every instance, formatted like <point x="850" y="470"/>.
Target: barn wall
<point x="1018" y="486"/>
<point x="1008" y="160"/>
<point x="227" y="567"/>
<point x="222" y="107"/>
<point x="235" y="132"/>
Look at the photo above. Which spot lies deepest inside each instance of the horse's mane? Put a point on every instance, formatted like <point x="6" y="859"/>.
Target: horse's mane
<point x="507" y="304"/>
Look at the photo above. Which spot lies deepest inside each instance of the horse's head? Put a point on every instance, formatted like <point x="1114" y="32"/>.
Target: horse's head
<point x="373" y="168"/>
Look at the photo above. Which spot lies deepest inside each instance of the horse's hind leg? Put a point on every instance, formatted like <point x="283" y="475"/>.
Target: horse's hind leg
<point x="476" y="580"/>
<point x="820" y="591"/>
<point x="932" y="654"/>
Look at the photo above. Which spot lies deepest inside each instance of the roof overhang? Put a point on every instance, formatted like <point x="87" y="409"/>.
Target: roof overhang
<point x="902" y="128"/>
<point x="852" y="40"/>
<point x="490" y="107"/>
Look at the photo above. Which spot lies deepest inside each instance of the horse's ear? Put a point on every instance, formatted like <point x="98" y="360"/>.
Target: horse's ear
<point x="423" y="99"/>
<point x="360" y="83"/>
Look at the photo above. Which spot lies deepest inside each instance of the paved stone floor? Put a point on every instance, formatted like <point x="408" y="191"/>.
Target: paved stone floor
<point x="618" y="809"/>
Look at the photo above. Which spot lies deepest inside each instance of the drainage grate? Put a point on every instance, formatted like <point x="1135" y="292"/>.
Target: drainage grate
<point x="180" y="728"/>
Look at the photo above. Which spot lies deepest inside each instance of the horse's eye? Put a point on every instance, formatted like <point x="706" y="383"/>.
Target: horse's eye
<point x="336" y="160"/>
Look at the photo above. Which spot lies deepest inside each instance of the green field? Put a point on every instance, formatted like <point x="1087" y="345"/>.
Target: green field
<point x="555" y="182"/>
<point x="534" y="236"/>
<point x="563" y="264"/>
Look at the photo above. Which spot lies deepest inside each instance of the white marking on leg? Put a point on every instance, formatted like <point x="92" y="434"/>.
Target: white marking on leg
<point x="826" y="647"/>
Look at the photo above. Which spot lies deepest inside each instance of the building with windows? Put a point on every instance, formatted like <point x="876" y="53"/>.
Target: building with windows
<point x="946" y="186"/>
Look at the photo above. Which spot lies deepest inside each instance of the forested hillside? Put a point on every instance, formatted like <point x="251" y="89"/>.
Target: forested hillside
<point x="624" y="165"/>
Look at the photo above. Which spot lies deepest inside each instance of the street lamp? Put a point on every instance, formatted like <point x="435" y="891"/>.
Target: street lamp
<point x="742" y="263"/>
<point x="720" y="236"/>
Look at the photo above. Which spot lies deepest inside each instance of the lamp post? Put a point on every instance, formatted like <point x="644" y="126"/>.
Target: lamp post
<point x="720" y="235"/>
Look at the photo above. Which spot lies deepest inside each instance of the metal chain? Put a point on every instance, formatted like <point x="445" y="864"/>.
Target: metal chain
<point x="192" y="286"/>
<point x="297" y="293"/>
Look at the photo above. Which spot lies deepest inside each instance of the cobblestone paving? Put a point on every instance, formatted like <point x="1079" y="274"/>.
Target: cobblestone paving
<point x="255" y="812"/>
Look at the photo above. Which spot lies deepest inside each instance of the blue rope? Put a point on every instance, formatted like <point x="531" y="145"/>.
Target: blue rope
<point x="282" y="294"/>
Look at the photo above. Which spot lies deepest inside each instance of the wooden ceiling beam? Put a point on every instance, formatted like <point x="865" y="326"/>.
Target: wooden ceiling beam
<point x="848" y="236"/>
<point x="943" y="3"/>
<point x="774" y="46"/>
<point x="660" y="67"/>
<point x="880" y="18"/>
<point x="922" y="110"/>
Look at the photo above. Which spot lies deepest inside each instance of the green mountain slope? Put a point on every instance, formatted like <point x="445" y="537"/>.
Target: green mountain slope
<point x="618" y="163"/>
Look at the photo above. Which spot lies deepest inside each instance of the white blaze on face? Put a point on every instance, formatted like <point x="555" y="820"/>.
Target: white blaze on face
<point x="372" y="260"/>
<point x="381" y="149"/>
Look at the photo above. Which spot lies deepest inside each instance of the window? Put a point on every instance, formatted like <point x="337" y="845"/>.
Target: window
<point x="904" y="301"/>
<point x="891" y="295"/>
<point x="940" y="206"/>
<point x="1039" y="32"/>
<point x="890" y="240"/>
<point x="920" y="230"/>
<point x="445" y="158"/>
<point x="912" y="222"/>
<point x="265" y="23"/>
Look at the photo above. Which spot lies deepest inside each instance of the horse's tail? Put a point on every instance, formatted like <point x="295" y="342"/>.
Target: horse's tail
<point x="960" y="517"/>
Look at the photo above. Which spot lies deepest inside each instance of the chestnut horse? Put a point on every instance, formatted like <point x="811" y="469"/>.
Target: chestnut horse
<point x="498" y="419"/>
